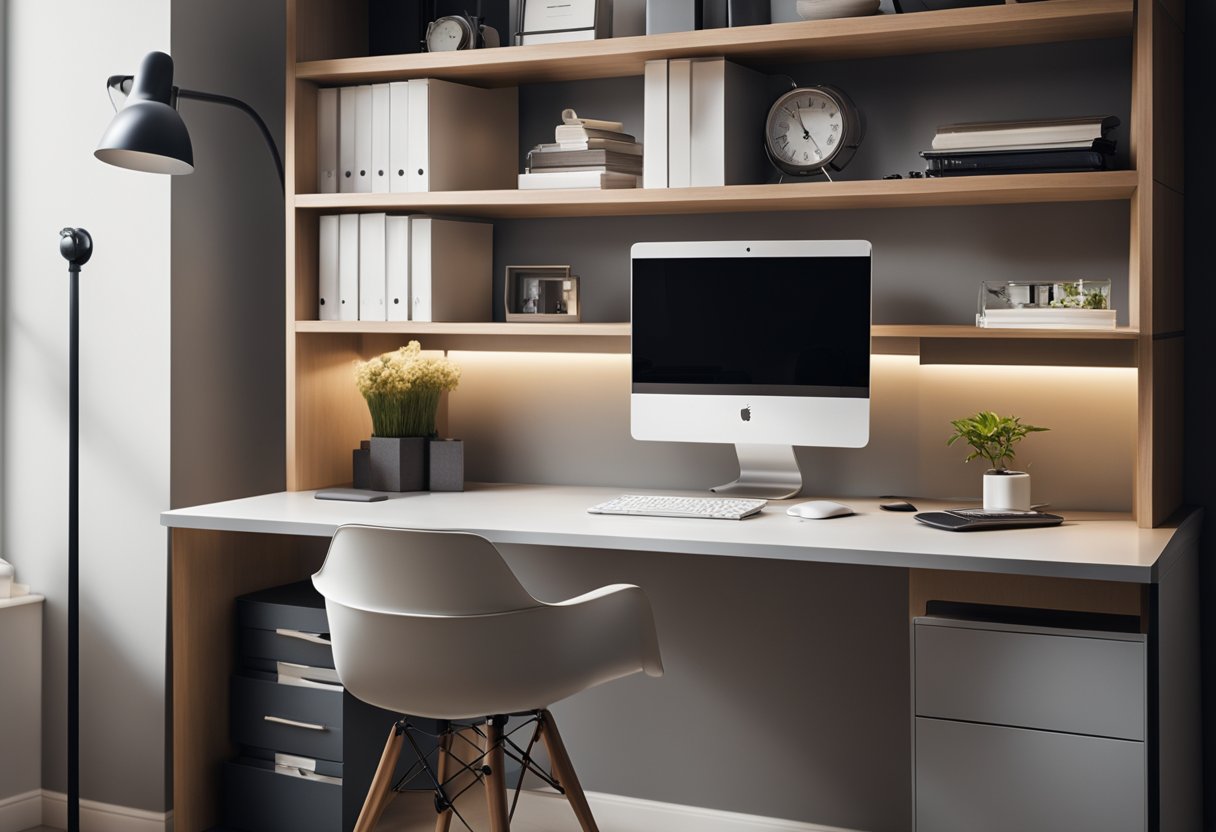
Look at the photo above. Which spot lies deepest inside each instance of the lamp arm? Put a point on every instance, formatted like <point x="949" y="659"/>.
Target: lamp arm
<point x="213" y="98"/>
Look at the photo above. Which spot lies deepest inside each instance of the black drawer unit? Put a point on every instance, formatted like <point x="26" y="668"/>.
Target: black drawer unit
<point x="332" y="731"/>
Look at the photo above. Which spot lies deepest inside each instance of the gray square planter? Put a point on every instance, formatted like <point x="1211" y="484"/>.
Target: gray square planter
<point x="446" y="465"/>
<point x="398" y="463"/>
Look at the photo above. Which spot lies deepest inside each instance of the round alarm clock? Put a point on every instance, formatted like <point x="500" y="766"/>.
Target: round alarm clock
<point x="810" y="129"/>
<point x="458" y="31"/>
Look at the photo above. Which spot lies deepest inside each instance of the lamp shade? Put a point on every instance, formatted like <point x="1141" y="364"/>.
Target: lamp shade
<point x="148" y="134"/>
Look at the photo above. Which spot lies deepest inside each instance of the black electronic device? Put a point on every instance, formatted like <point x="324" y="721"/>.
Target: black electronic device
<point x="978" y="519"/>
<point x="901" y="505"/>
<point x="351" y="495"/>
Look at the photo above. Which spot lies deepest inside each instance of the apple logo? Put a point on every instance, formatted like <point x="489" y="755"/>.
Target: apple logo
<point x="746" y="413"/>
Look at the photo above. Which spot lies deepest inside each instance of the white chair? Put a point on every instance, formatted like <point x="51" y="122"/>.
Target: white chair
<point x="435" y="625"/>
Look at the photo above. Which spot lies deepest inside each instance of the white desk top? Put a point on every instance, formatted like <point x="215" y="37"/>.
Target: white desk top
<point x="1088" y="545"/>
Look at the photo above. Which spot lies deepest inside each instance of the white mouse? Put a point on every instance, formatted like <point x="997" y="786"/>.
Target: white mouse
<point x="819" y="510"/>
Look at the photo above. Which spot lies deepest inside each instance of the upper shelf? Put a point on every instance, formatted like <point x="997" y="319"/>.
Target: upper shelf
<point x="980" y="27"/>
<point x="794" y="196"/>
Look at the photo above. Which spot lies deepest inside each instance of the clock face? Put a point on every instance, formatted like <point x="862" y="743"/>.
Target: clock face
<point x="446" y="35"/>
<point x="809" y="128"/>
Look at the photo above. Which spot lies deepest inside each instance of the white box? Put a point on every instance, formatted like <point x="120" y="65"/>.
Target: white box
<point x="397" y="267"/>
<point x="679" y="123"/>
<point x="346" y="140"/>
<point x="327" y="140"/>
<point x="328" y="300"/>
<point x="371" y="267"/>
<point x="348" y="267"/>
<point x="729" y="106"/>
<point x="381" y="122"/>
<point x="399" y="136"/>
<point x="363" y="139"/>
<point x="451" y="270"/>
<point x="654" y="128"/>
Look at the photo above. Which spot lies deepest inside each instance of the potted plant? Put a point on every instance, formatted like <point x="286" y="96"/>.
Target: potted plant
<point x="402" y="390"/>
<point x="992" y="437"/>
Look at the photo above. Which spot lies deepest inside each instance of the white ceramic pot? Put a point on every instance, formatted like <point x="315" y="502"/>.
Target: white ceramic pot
<point x="1006" y="491"/>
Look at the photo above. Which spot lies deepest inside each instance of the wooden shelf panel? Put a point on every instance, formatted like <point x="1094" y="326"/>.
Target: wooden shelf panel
<point x="795" y="196"/>
<point x="588" y="330"/>
<point x="981" y="27"/>
<point x="950" y="331"/>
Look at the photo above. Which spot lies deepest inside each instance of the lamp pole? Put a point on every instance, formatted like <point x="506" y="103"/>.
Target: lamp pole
<point x="76" y="246"/>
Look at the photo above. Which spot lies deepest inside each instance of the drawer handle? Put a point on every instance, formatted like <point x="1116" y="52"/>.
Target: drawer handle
<point x="294" y="724"/>
<point x="311" y="638"/>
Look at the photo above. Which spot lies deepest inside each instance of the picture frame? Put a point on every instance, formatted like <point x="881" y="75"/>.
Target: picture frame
<point x="541" y="294"/>
<point x="561" y="21"/>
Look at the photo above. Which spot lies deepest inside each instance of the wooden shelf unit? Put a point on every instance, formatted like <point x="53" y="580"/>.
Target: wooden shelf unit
<point x="327" y="45"/>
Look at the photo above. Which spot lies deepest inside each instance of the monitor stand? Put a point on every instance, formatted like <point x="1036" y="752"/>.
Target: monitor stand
<point x="767" y="472"/>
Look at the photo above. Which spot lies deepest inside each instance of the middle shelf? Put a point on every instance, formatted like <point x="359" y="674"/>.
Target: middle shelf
<point x="1009" y="189"/>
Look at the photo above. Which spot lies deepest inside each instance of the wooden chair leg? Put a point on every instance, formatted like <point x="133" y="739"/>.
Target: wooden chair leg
<point x="444" y="821"/>
<point x="496" y="780"/>
<point x="563" y="770"/>
<point x="378" y="795"/>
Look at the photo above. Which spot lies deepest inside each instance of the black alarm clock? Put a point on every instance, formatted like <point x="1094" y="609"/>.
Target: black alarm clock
<point x="453" y="32"/>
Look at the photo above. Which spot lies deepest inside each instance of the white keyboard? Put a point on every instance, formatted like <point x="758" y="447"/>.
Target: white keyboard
<point x="709" y="508"/>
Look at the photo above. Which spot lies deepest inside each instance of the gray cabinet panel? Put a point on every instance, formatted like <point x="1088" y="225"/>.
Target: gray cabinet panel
<point x="985" y="777"/>
<point x="1054" y="682"/>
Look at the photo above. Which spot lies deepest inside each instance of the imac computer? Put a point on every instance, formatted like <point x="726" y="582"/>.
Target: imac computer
<point x="762" y="344"/>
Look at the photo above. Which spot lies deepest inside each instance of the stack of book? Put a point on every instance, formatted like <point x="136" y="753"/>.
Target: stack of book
<point x="1055" y="146"/>
<point x="585" y="153"/>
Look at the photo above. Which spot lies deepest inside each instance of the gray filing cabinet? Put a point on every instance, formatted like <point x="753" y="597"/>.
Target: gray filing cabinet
<point x="1019" y="727"/>
<point x="331" y="740"/>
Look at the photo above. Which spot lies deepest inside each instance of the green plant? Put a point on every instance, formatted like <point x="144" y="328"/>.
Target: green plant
<point x="991" y="437"/>
<point x="402" y="390"/>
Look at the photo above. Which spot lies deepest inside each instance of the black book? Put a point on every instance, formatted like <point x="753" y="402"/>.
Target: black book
<point x="979" y="163"/>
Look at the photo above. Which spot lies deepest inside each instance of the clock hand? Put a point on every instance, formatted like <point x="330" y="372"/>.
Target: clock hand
<point x="806" y="134"/>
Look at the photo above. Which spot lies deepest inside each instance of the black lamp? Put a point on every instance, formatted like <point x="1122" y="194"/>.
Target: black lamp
<point x="147" y="134"/>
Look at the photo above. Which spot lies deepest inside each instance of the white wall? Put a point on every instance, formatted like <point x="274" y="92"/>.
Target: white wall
<point x="59" y="55"/>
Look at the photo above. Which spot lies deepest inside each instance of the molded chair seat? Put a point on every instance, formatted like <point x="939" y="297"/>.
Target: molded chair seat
<point x="434" y="624"/>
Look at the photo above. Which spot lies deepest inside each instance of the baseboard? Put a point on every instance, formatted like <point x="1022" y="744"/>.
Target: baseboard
<point x="102" y="817"/>
<point x="21" y="811"/>
<point x="614" y="813"/>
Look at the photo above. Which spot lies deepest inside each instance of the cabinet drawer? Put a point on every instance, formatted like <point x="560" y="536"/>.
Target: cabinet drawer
<point x="295" y="606"/>
<point x="286" y="645"/>
<point x="1032" y="679"/>
<point x="971" y="777"/>
<point x="285" y="718"/>
<point x="255" y="797"/>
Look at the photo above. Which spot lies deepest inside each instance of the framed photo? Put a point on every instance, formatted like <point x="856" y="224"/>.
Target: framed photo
<point x="559" y="21"/>
<point x="541" y="294"/>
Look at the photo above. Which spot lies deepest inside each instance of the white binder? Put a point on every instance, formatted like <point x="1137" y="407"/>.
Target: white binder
<point x="327" y="140"/>
<point x="363" y="139"/>
<point x="397" y="267"/>
<point x="679" y="124"/>
<point x="371" y="267"/>
<point x="462" y="138"/>
<point x="654" y="134"/>
<point x="451" y="269"/>
<point x="728" y="101"/>
<point x="348" y="267"/>
<point x="346" y="140"/>
<point x="398" y="136"/>
<point x="327" y="270"/>
<point x="381" y="121"/>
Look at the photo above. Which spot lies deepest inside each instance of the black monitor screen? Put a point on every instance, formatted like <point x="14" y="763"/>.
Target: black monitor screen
<point x="772" y="326"/>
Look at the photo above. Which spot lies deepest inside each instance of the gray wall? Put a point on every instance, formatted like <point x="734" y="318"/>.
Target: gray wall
<point x="59" y="55"/>
<point x="228" y="251"/>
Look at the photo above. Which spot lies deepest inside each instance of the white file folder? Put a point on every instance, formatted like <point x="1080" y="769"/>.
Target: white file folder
<point x="346" y="140"/>
<point x="363" y="139"/>
<point x="679" y="124"/>
<point x="329" y="308"/>
<point x="451" y="269"/>
<point x="462" y="138"/>
<point x="654" y="135"/>
<point x="371" y="267"/>
<point x="327" y="140"/>
<point x="348" y="267"/>
<point x="381" y="123"/>
<point x="728" y="101"/>
<point x="398" y="136"/>
<point x="397" y="267"/>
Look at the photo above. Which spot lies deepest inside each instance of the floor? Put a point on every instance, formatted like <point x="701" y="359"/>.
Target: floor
<point x="415" y="812"/>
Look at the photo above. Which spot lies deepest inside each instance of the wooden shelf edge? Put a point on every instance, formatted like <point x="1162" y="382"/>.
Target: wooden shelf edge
<point x="980" y="27"/>
<point x="1009" y="189"/>
<point x="962" y="331"/>
<point x="496" y="329"/>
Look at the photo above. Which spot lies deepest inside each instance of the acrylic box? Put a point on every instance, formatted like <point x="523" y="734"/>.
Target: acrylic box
<point x="1046" y="304"/>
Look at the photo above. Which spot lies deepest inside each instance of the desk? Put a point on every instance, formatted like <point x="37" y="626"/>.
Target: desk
<point x="1093" y="563"/>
